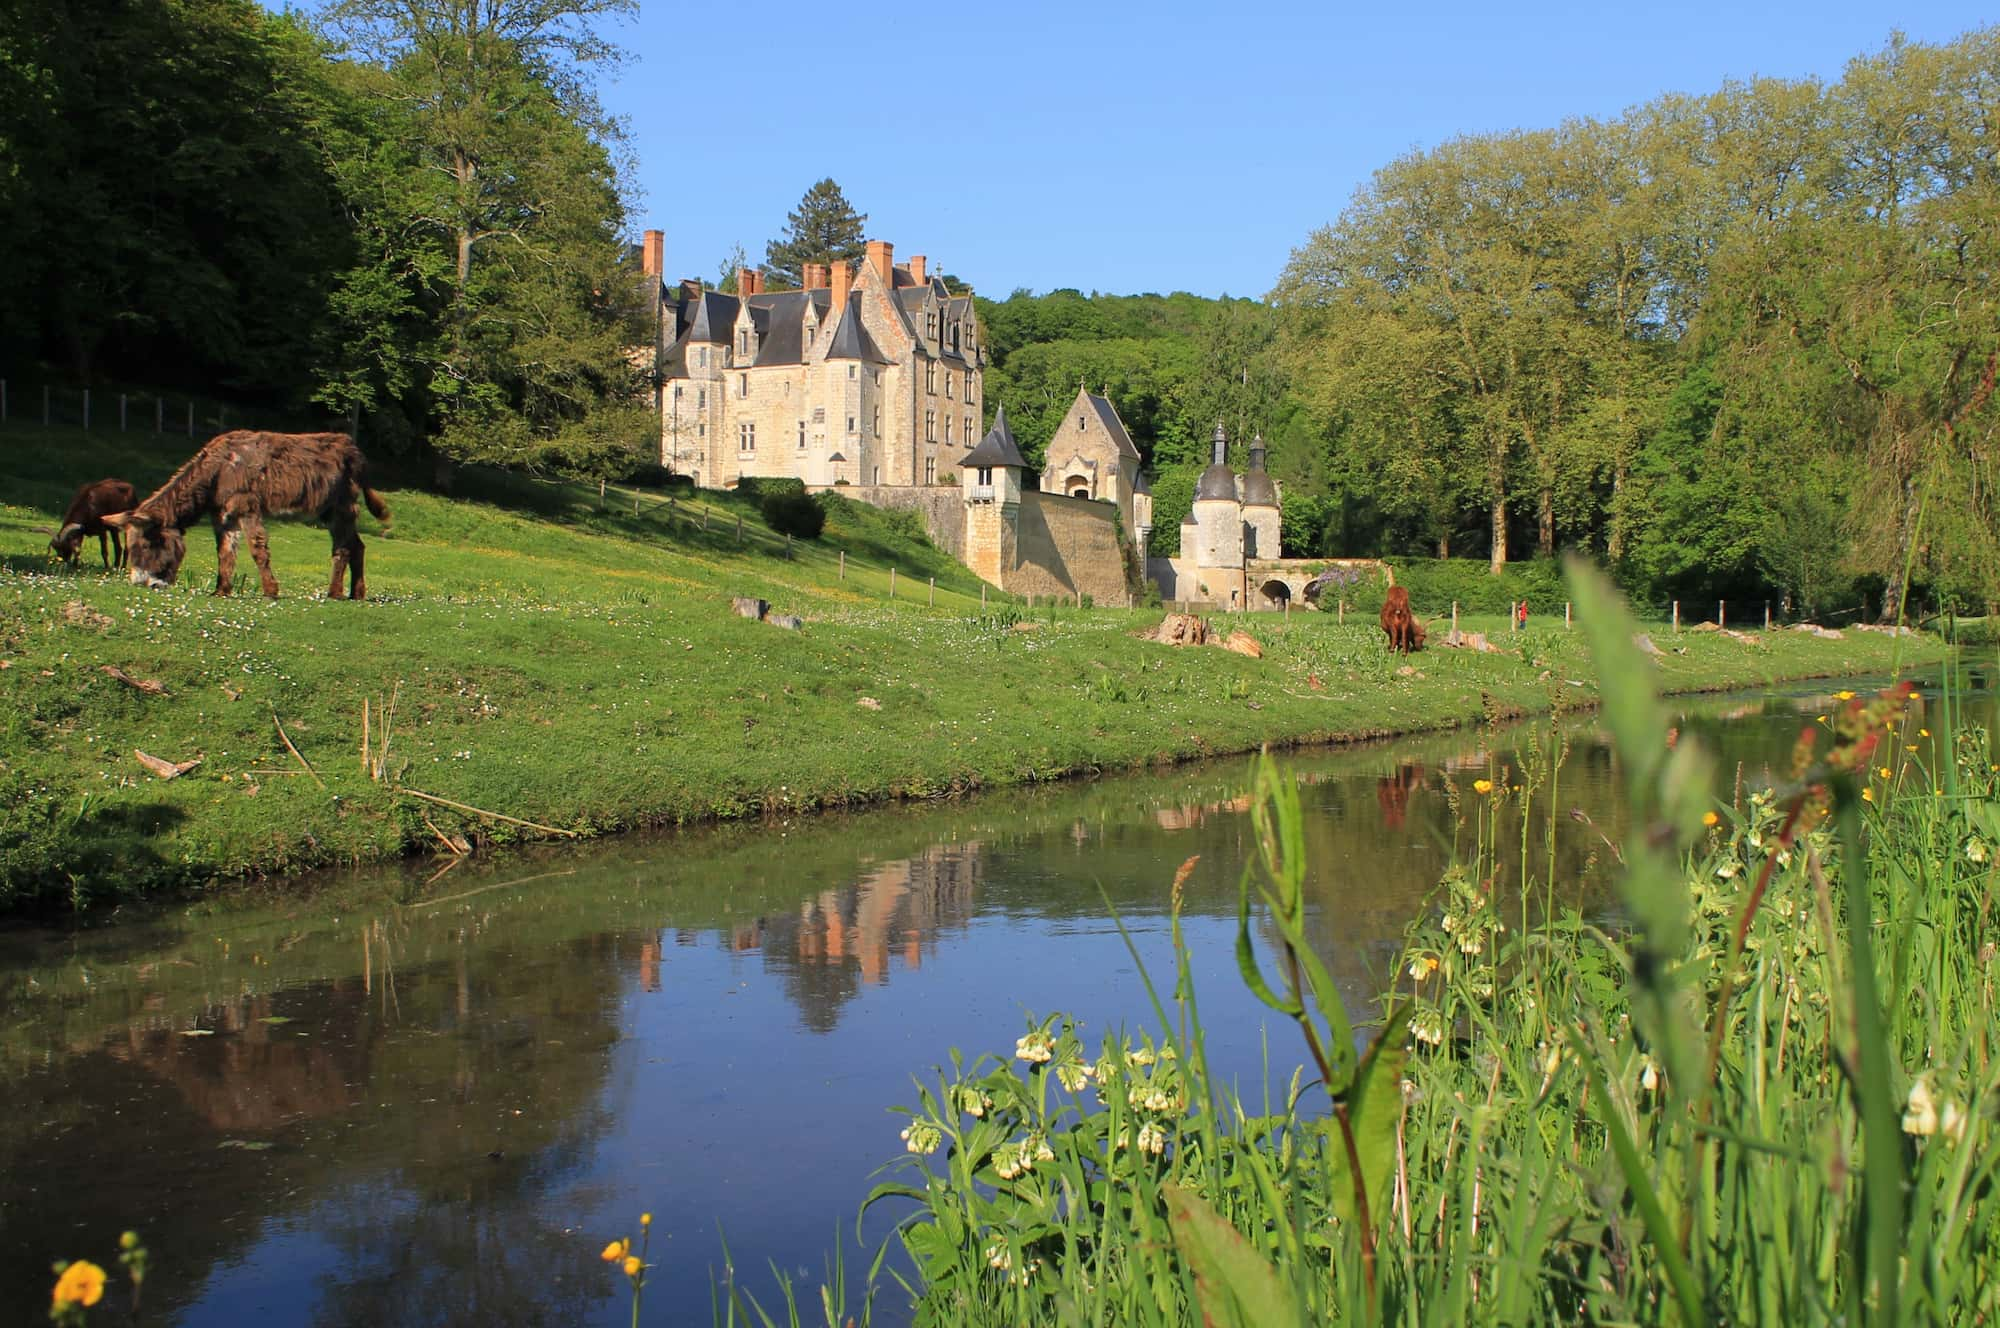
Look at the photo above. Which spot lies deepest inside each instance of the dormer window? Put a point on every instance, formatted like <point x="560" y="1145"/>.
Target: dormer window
<point x="931" y="325"/>
<point x="930" y="376"/>
<point x="743" y="342"/>
<point x="986" y="475"/>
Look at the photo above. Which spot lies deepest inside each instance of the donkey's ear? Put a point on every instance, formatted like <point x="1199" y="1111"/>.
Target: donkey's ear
<point x="119" y="519"/>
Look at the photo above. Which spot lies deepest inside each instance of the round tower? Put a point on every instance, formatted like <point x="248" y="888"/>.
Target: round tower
<point x="1261" y="523"/>
<point x="1218" y="516"/>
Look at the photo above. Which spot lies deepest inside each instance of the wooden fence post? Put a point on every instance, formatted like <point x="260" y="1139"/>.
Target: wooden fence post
<point x="1767" y="615"/>
<point x="843" y="564"/>
<point x="982" y="597"/>
<point x="1565" y="615"/>
<point x="1454" y="617"/>
<point x="933" y="592"/>
<point x="892" y="583"/>
<point x="1721" y="613"/>
<point x="1677" y="617"/>
<point x="788" y="540"/>
<point x="739" y="531"/>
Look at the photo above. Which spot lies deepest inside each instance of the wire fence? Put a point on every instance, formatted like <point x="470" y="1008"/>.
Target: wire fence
<point x="49" y="405"/>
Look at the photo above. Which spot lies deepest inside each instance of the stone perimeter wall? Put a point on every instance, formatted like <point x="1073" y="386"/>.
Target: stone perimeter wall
<point x="942" y="507"/>
<point x="1067" y="546"/>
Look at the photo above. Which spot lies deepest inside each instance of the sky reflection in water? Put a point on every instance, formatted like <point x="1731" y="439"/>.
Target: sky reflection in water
<point x="385" y="1103"/>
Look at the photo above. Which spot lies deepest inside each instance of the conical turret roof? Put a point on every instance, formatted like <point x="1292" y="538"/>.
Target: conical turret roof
<point x="1217" y="481"/>
<point x="998" y="447"/>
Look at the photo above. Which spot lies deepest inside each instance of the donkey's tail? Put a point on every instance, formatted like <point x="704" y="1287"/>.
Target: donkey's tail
<point x="375" y="504"/>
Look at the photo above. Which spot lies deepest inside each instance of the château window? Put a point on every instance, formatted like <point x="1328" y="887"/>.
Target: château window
<point x="948" y="376"/>
<point x="701" y="398"/>
<point x="986" y="476"/>
<point x="930" y="376"/>
<point x="742" y="385"/>
<point x="947" y="431"/>
<point x="969" y="427"/>
<point x="746" y="437"/>
<point x="703" y="357"/>
<point x="819" y="414"/>
<point x="677" y="390"/>
<point x="930" y="426"/>
<point x="1079" y="424"/>
<point x="850" y="370"/>
<point x="743" y="342"/>
<point x="878" y="421"/>
<point x="802" y="435"/>
<point x="930" y="470"/>
<point x="850" y="424"/>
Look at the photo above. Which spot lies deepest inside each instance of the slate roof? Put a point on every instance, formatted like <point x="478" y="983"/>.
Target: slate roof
<point x="780" y="338"/>
<point x="1107" y="415"/>
<point x="1217" y="481"/>
<point x="997" y="448"/>
<point x="851" y="340"/>
<point x="1258" y="490"/>
<point x="710" y="316"/>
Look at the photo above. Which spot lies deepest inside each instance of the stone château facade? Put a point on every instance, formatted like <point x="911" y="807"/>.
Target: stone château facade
<point x="870" y="376"/>
<point x="1230" y="555"/>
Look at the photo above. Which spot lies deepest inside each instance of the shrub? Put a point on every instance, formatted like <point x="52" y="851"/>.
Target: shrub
<point x="795" y="514"/>
<point x="761" y="487"/>
<point x="649" y="475"/>
<point x="1434" y="583"/>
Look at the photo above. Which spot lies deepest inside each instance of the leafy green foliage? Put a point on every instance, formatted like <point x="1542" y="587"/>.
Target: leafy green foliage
<point x="796" y="514"/>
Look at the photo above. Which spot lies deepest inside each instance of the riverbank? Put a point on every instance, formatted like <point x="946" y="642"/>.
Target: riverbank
<point x="532" y="655"/>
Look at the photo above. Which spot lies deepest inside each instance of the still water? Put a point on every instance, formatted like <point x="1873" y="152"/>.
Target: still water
<point x="383" y="1099"/>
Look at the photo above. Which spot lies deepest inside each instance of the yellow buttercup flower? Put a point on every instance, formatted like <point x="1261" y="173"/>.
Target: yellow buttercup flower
<point x="82" y="1283"/>
<point x="1710" y="819"/>
<point x="1868" y="795"/>
<point x="1482" y="786"/>
<point x="632" y="1265"/>
<point x="1923" y="733"/>
<point x="1885" y="772"/>
<point x="616" y="1250"/>
<point x="1843" y="696"/>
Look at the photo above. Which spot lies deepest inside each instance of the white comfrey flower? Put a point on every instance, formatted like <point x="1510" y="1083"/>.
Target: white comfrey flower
<point x="1471" y="942"/>
<point x="999" y="1256"/>
<point x="1152" y="1139"/>
<point x="1141" y="1057"/>
<point x="1450" y="924"/>
<point x="1951" y="1122"/>
<point x="1975" y="849"/>
<point x="1035" y="1048"/>
<point x="922" y="1137"/>
<point x="1427" y="1026"/>
<point x="1920" y="1116"/>
<point x="1073" y="1075"/>
<point x="1727" y="871"/>
<point x="1649" y="1073"/>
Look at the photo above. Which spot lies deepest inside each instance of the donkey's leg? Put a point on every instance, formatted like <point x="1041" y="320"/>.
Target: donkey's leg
<point x="103" y="552"/>
<point x="357" y="552"/>
<point x="340" y="526"/>
<point x="260" y="549"/>
<point x="227" y="535"/>
<point x="117" y="548"/>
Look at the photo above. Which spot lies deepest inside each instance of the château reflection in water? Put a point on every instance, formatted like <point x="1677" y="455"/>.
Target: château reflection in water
<point x="369" y="1103"/>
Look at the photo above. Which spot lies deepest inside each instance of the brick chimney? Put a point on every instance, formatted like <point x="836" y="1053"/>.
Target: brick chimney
<point x="917" y="262"/>
<point x="652" y="255"/>
<point x="843" y="281"/>
<point x="814" y="276"/>
<point x="746" y="281"/>
<point x="882" y="257"/>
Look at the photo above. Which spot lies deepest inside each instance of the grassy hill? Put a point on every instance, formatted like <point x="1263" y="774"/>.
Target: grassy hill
<point x="535" y="655"/>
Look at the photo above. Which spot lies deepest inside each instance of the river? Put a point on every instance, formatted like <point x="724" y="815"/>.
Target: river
<point x="398" y="1097"/>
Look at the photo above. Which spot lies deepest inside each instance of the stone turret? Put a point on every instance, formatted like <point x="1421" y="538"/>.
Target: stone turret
<point x="1218" y="520"/>
<point x="1261" y="518"/>
<point x="990" y="477"/>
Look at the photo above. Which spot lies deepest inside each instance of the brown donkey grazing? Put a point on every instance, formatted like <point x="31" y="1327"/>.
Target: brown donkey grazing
<point x="85" y="517"/>
<point x="1404" y="631"/>
<point x="237" y="480"/>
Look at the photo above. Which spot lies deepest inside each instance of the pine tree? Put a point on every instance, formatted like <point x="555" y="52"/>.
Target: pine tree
<point x="824" y="229"/>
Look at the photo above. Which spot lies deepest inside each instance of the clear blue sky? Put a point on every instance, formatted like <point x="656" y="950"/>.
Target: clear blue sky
<point x="1144" y="148"/>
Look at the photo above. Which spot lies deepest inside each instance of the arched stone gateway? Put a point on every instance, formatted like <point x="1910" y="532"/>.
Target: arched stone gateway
<point x="1276" y="592"/>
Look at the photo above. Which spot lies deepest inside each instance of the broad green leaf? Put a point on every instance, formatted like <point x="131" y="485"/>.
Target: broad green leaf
<point x="1374" y="1106"/>
<point x="1237" y="1288"/>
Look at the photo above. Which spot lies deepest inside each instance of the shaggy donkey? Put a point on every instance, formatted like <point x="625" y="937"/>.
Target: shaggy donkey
<point x="238" y="479"/>
<point x="85" y="517"/>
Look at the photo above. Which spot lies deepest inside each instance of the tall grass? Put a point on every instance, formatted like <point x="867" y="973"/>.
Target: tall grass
<point x="1763" y="1092"/>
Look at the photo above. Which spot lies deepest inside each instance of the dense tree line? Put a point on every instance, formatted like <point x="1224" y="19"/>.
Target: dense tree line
<point x="405" y="212"/>
<point x="1731" y="343"/>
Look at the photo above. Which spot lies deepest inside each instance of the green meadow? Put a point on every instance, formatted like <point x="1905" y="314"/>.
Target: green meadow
<point x="558" y="663"/>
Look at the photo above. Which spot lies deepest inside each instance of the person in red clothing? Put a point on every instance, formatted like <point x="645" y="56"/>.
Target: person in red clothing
<point x="1521" y="616"/>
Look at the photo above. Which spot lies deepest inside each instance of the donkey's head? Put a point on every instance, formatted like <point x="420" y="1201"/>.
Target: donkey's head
<point x="153" y="549"/>
<point x="65" y="543"/>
